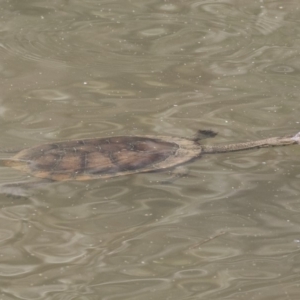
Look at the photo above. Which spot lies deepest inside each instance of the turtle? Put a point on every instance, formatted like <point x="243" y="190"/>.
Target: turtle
<point x="107" y="157"/>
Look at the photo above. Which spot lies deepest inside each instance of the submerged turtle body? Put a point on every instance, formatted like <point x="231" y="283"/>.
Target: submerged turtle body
<point x="116" y="156"/>
<point x="104" y="157"/>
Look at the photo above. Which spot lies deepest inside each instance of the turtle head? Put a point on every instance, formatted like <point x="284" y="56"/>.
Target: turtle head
<point x="296" y="137"/>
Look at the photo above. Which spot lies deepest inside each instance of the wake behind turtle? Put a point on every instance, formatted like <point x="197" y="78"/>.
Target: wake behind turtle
<point x="108" y="157"/>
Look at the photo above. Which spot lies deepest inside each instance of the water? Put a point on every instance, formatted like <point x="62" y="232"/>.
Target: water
<point x="81" y="69"/>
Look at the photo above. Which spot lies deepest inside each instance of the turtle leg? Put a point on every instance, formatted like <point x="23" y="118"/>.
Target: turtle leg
<point x="22" y="189"/>
<point x="10" y="150"/>
<point x="14" y="190"/>
<point x="176" y="173"/>
<point x="204" y="134"/>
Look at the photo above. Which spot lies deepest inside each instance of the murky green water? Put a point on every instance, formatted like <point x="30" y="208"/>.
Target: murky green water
<point x="230" y="229"/>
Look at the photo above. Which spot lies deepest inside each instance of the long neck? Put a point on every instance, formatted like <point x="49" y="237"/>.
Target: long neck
<point x="270" y="142"/>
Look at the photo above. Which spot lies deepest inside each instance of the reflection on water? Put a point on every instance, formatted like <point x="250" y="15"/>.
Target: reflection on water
<point x="80" y="69"/>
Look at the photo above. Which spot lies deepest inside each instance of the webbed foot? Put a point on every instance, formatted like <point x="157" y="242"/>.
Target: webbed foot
<point x="204" y="134"/>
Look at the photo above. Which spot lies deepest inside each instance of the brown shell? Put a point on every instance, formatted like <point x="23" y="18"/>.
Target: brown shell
<point x="104" y="157"/>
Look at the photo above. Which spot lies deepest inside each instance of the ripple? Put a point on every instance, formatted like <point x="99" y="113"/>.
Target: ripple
<point x="33" y="45"/>
<point x="168" y="7"/>
<point x="285" y="69"/>
<point x="49" y="95"/>
<point x="8" y="270"/>
<point x="269" y="20"/>
<point x="153" y="32"/>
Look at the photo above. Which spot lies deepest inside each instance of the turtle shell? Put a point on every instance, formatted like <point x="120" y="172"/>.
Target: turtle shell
<point x="104" y="157"/>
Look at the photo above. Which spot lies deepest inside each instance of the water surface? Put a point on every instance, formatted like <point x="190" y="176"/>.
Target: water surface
<point x="80" y="69"/>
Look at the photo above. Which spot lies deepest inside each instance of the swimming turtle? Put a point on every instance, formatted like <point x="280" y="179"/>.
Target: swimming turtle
<point x="107" y="157"/>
